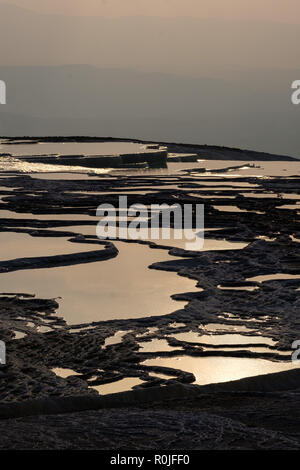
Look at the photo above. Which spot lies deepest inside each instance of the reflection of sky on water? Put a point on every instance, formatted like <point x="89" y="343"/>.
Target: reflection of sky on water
<point x="121" y="287"/>
<point x="221" y="369"/>
<point x="71" y="148"/>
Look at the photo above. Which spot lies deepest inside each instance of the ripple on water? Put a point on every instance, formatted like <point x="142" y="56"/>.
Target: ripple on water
<point x="155" y="345"/>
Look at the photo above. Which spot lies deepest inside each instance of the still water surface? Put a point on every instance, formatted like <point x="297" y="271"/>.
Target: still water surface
<point x="122" y="287"/>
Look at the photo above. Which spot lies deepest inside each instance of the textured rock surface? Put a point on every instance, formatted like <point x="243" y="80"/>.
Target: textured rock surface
<point x="225" y="298"/>
<point x="138" y="429"/>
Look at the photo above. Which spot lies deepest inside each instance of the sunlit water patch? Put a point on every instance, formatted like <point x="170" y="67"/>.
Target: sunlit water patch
<point x="115" y="339"/>
<point x="223" y="339"/>
<point x="122" y="385"/>
<point x="22" y="245"/>
<point x="274" y="277"/>
<point x="71" y="148"/>
<point x="209" y="370"/>
<point x="122" y="287"/>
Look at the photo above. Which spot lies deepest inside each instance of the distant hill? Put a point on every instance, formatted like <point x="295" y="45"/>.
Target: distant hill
<point x="85" y="100"/>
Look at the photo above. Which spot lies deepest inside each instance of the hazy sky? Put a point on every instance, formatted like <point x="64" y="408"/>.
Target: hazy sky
<point x="272" y="10"/>
<point x="177" y="70"/>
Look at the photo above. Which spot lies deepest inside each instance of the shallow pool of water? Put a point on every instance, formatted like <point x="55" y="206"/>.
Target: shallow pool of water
<point x="70" y="175"/>
<point x="113" y="387"/>
<point x="226" y="339"/>
<point x="209" y="244"/>
<point x="229" y="209"/>
<point x="71" y="148"/>
<point x="209" y="370"/>
<point x="122" y="385"/>
<point x="22" y="245"/>
<point x="6" y="214"/>
<point x="64" y="372"/>
<point x="116" y="338"/>
<point x="274" y="277"/>
<point x="122" y="287"/>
